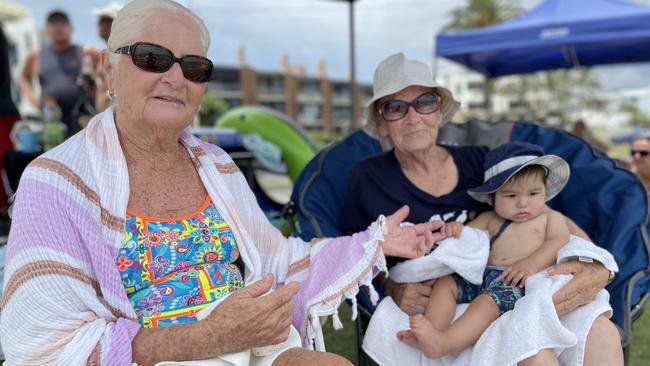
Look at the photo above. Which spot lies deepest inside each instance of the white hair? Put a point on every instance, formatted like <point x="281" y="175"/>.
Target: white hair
<point x="130" y="23"/>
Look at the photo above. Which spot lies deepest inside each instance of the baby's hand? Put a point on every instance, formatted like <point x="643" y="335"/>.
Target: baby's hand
<point x="453" y="228"/>
<point x="518" y="273"/>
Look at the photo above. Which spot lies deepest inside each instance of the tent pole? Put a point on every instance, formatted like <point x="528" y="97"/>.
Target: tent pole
<point x="353" y="80"/>
<point x="489" y="83"/>
<point x="435" y="67"/>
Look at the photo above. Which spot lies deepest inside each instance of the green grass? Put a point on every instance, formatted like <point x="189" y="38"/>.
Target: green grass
<point x="342" y="341"/>
<point x="640" y="349"/>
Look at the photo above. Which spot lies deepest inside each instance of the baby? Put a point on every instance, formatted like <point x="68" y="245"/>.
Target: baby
<point x="526" y="236"/>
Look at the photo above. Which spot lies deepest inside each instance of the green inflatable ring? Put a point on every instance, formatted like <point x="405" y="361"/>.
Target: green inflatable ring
<point x="297" y="148"/>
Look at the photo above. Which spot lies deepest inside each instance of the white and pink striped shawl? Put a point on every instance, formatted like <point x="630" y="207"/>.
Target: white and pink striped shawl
<point x="64" y="302"/>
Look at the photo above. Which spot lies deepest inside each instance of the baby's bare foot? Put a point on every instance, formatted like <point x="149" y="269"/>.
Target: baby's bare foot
<point x="407" y="336"/>
<point x="429" y="339"/>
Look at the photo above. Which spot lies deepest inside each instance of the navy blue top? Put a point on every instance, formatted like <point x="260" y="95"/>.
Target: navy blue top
<point x="378" y="186"/>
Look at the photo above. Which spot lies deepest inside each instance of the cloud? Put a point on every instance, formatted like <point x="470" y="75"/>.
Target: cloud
<point x="614" y="77"/>
<point x="302" y="29"/>
<point x="310" y="30"/>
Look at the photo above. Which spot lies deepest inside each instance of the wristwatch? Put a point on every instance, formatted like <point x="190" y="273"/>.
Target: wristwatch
<point x="610" y="279"/>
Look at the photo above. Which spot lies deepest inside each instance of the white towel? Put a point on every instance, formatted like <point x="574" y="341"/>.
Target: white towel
<point x="531" y="326"/>
<point x="578" y="247"/>
<point x="466" y="256"/>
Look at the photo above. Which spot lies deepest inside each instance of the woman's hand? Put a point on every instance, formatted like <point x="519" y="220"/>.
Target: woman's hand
<point x="409" y="241"/>
<point x="588" y="279"/>
<point x="412" y="298"/>
<point x="249" y="318"/>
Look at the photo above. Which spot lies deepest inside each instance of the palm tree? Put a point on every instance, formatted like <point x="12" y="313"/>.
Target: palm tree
<point x="637" y="116"/>
<point x="481" y="13"/>
<point x="557" y="91"/>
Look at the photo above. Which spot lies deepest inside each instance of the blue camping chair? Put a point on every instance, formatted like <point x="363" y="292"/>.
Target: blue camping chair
<point x="608" y="202"/>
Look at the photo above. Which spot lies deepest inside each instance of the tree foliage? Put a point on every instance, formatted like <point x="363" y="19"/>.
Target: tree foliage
<point x="559" y="91"/>
<point x="482" y="13"/>
<point x="212" y="106"/>
<point x="637" y="116"/>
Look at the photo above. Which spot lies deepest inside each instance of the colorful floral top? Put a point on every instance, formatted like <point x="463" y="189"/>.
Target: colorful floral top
<point x="173" y="267"/>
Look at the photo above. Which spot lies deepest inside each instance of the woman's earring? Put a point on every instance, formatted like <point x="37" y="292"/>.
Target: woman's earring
<point x="111" y="94"/>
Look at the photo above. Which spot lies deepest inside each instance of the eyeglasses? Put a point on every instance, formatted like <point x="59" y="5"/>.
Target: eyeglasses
<point x="394" y="110"/>
<point x="154" y="58"/>
<point x="642" y="153"/>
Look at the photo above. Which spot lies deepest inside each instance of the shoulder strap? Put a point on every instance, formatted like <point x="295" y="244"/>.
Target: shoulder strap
<point x="503" y="226"/>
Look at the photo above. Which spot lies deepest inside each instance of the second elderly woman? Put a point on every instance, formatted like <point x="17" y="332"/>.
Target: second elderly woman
<point x="407" y="108"/>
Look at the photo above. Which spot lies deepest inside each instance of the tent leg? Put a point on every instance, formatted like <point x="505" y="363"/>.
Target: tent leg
<point x="489" y="83"/>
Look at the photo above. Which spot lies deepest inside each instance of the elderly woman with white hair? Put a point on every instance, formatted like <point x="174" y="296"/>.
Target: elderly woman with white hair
<point x="407" y="109"/>
<point x="135" y="242"/>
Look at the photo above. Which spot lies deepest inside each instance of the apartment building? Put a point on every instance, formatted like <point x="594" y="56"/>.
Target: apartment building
<point x="314" y="102"/>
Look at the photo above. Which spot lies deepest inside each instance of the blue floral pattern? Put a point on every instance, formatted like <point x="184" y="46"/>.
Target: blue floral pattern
<point x="172" y="268"/>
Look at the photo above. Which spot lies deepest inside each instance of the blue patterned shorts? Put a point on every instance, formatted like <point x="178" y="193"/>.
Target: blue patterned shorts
<point x="504" y="296"/>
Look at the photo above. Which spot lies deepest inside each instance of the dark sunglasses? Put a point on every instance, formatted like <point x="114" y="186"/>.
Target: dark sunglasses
<point x="154" y="58"/>
<point x="643" y="153"/>
<point x="394" y="110"/>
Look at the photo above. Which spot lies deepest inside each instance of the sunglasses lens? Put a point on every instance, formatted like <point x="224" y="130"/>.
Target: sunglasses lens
<point x="152" y="58"/>
<point x="394" y="110"/>
<point x="196" y="68"/>
<point x="426" y="103"/>
<point x="641" y="153"/>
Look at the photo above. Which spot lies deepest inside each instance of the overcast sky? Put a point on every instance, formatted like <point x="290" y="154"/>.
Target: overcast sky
<point x="309" y="30"/>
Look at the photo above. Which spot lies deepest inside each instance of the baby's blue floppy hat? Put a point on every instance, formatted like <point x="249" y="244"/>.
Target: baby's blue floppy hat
<point x="506" y="160"/>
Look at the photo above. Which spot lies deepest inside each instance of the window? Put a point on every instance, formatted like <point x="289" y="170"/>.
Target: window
<point x="270" y="85"/>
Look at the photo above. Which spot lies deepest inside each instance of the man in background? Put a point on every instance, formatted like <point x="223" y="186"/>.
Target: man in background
<point x="59" y="66"/>
<point x="105" y="18"/>
<point x="581" y="130"/>
<point x="640" y="151"/>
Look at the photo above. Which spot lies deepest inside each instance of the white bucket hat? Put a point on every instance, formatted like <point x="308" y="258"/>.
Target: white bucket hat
<point x="109" y="11"/>
<point x="396" y="73"/>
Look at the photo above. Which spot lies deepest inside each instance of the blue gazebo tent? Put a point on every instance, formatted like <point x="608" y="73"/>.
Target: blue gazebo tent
<point x="564" y="34"/>
<point x="556" y="34"/>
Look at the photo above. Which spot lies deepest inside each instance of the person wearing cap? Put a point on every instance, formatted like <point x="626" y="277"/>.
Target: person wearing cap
<point x="105" y="18"/>
<point x="640" y="153"/>
<point x="407" y="108"/>
<point x="58" y="67"/>
<point x="525" y="237"/>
